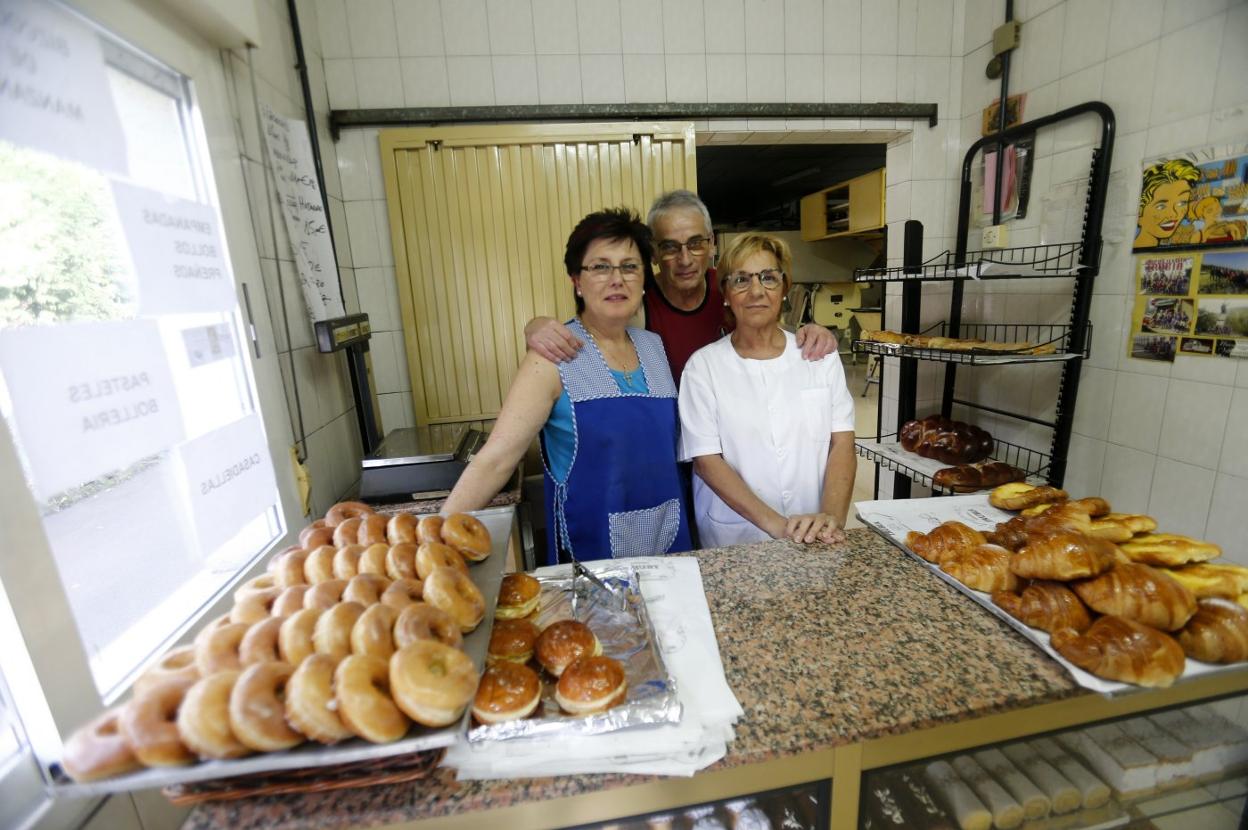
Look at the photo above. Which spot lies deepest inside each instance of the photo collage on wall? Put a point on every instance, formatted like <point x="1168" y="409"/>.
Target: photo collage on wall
<point x="1191" y="263"/>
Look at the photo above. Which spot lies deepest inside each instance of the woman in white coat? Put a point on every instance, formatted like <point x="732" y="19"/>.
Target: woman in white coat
<point x="771" y="436"/>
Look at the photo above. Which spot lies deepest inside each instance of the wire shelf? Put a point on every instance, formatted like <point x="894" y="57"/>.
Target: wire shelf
<point x="1056" y="260"/>
<point x="890" y="455"/>
<point x="1038" y="334"/>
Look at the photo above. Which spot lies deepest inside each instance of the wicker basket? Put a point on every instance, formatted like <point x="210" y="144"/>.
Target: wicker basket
<point x="393" y="770"/>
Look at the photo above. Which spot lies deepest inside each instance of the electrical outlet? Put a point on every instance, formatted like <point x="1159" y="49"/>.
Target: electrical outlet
<point x="996" y="236"/>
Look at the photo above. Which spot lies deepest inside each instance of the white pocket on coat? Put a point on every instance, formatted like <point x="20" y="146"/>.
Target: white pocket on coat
<point x="645" y="532"/>
<point x="816" y="414"/>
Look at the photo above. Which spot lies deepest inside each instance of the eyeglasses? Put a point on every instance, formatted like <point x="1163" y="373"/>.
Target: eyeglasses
<point x="739" y="281"/>
<point x="670" y="248"/>
<point x="601" y="271"/>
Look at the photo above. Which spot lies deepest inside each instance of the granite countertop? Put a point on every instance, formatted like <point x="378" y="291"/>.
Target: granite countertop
<point x="823" y="646"/>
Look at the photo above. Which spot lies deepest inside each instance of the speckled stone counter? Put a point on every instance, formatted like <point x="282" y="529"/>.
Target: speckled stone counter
<point x="823" y="646"/>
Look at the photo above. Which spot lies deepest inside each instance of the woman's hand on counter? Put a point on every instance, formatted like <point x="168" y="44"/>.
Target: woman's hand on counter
<point x="807" y="528"/>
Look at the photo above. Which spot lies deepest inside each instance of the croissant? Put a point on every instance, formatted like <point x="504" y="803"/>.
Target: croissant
<point x="1064" y="556"/>
<point x="1049" y="606"/>
<point x="1021" y="530"/>
<point x="1140" y="593"/>
<point x="1134" y="522"/>
<point x="982" y="568"/>
<point x="1018" y="495"/>
<point x="1119" y="649"/>
<point x="1170" y="549"/>
<point x="944" y="540"/>
<point x="1217" y="632"/>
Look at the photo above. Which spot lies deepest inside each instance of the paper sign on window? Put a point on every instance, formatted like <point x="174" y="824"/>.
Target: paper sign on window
<point x="88" y="399"/>
<point x="229" y="480"/>
<point x="54" y="93"/>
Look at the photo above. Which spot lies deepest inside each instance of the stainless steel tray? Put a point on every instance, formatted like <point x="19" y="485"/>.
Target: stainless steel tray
<point x="487" y="575"/>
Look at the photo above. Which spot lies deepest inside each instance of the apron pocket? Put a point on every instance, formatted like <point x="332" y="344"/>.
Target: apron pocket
<point x="644" y="532"/>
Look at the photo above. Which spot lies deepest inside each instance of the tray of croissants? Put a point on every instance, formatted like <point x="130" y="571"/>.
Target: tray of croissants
<point x="1116" y="601"/>
<point x="367" y="639"/>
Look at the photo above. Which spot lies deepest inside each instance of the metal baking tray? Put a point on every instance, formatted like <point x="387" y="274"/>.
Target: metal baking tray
<point x="487" y="575"/>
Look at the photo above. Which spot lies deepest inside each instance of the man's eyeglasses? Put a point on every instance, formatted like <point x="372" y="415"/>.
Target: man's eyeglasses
<point x="739" y="281"/>
<point x="601" y="271"/>
<point x="670" y="248"/>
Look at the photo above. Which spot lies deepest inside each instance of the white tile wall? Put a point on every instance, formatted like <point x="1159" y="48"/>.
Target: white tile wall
<point x="418" y="27"/>
<point x="803" y="26"/>
<point x="371" y="29"/>
<point x="511" y="27"/>
<point x="1194" y="422"/>
<point x="602" y="78"/>
<point x="1180" y="497"/>
<point x="425" y="83"/>
<point x="645" y="79"/>
<point x="554" y="27"/>
<point x="686" y="77"/>
<point x="1228" y="521"/>
<point x="725" y="78"/>
<point x="471" y="80"/>
<point x="764" y="26"/>
<point x="515" y="79"/>
<point x="598" y="26"/>
<point x="1133" y="22"/>
<point x="842" y="27"/>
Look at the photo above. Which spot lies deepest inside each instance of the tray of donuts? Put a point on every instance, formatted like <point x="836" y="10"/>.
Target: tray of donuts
<point x="1116" y="602"/>
<point x="568" y="656"/>
<point x="364" y="641"/>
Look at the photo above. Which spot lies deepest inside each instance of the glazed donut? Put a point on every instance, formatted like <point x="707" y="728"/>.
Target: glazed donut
<point x="365" y="589"/>
<point x="362" y="687"/>
<point x="289" y="601"/>
<point x="517" y="596"/>
<point x="254" y="606"/>
<point x="324" y="595"/>
<point x="401" y="561"/>
<point x="373" y="560"/>
<point x="507" y="691"/>
<point x="275" y="560"/>
<point x="421" y="621"/>
<point x="289" y="570"/>
<point x="401" y="528"/>
<point x="319" y="566"/>
<point x="347" y="533"/>
<point x="372" y="530"/>
<point x="563" y="642"/>
<point x="429" y="529"/>
<point x="204" y="719"/>
<point x="344" y="510"/>
<point x="263" y="582"/>
<point x="512" y="641"/>
<point x="310" y="704"/>
<point x="98" y="750"/>
<point x="313" y="538"/>
<point x="467" y="535"/>
<point x="347" y="561"/>
<point x="259" y="644"/>
<point x="591" y="684"/>
<point x="216" y="648"/>
<point x="294" y="638"/>
<point x="455" y="593"/>
<point x="432" y="683"/>
<point x="332" y="634"/>
<point x="373" y="632"/>
<point x="177" y="664"/>
<point x="148" y="723"/>
<point x="257" y="710"/>
<point x="402" y="593"/>
<point x="432" y="555"/>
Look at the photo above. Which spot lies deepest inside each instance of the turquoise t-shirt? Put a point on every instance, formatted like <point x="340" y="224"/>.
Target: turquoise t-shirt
<point x="557" y="434"/>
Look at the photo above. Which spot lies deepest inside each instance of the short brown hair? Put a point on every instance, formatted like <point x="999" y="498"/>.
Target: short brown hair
<point x="615" y="224"/>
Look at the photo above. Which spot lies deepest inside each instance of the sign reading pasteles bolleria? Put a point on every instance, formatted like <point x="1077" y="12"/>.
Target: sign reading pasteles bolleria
<point x="89" y="399"/>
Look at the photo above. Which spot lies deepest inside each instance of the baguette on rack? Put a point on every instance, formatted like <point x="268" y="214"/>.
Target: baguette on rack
<point x="1217" y="632"/>
<point x="1094" y="791"/>
<point x="967" y="809"/>
<point x="1119" y="649"/>
<point x="943" y="540"/>
<point x="1049" y="606"/>
<point x="1064" y="556"/>
<point x="1036" y="804"/>
<point x="982" y="568"/>
<point x="1006" y="812"/>
<point x="1140" y="593"/>
<point x="1063" y="795"/>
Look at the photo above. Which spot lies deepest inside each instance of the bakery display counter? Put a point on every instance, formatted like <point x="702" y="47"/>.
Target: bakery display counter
<point x="845" y="659"/>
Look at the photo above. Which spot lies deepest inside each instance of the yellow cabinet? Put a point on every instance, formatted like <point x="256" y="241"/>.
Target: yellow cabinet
<point x="852" y="207"/>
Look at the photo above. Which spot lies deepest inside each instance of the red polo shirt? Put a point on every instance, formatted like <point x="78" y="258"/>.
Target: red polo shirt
<point x="684" y="332"/>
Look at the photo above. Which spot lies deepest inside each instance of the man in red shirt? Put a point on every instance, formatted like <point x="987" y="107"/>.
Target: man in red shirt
<point x="684" y="305"/>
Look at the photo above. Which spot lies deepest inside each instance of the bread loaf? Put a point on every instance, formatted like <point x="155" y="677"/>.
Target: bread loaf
<point x="1046" y="605"/>
<point x="943" y="540"/>
<point x="984" y="567"/>
<point x="1036" y="804"/>
<point x="1094" y="791"/>
<point x="1019" y="495"/>
<point x="1064" y="556"/>
<point x="1062" y="794"/>
<point x="1118" y="649"/>
<point x="1217" y="632"/>
<point x="951" y="442"/>
<point x="1140" y="593"/>
<point x="1170" y="549"/>
<point x="967" y="809"/>
<point x="1006" y="812"/>
<point x="967" y="478"/>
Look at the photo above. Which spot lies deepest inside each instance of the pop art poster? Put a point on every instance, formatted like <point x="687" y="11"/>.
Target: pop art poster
<point x="1193" y="199"/>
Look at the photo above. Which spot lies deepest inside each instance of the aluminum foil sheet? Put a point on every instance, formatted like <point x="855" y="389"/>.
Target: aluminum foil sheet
<point x="626" y="633"/>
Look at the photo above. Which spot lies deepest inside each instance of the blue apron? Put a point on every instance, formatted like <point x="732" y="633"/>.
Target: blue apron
<point x="622" y="494"/>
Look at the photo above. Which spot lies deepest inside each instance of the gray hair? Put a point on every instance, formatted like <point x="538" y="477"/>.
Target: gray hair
<point x="678" y="200"/>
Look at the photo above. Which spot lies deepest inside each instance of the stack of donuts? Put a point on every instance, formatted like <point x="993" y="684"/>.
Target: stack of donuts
<point x="585" y="680"/>
<point x="355" y="632"/>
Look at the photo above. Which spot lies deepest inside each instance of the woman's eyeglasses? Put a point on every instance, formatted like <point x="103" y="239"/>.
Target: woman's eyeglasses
<point x="739" y="281"/>
<point x="601" y="271"/>
<point x="670" y="248"/>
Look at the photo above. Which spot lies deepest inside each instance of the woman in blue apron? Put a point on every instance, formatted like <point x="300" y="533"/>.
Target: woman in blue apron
<point x="608" y="418"/>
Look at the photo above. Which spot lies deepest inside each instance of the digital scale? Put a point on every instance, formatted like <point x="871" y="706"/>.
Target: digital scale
<point x="411" y="463"/>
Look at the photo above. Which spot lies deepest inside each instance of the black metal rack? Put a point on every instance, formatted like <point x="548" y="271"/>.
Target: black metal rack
<point x="1078" y="259"/>
<point x="888" y="453"/>
<point x="1039" y="335"/>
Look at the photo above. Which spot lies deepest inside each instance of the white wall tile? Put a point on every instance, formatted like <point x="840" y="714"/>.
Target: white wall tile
<point x="725" y="78"/>
<point x="842" y="25"/>
<point x="379" y="297"/>
<point x="1126" y="77"/>
<point x="352" y="168"/>
<point x="842" y="79"/>
<point x="361" y="225"/>
<point x="1136" y="415"/>
<point x="1134" y="22"/>
<point x="803" y="78"/>
<point x="1127" y="478"/>
<point x="879" y="27"/>
<point x="378" y="82"/>
<point x="1180" y="13"/>
<point x="764" y="77"/>
<point x="977" y="90"/>
<point x="1180" y="497"/>
<point x="1231" y="86"/>
<point x="1194" y="422"/>
<point x="684" y="27"/>
<point x="725" y="27"/>
<point x="803" y="26"/>
<point x="396" y="410"/>
<point x="1235" y="446"/>
<point x="554" y="27"/>
<point x="879" y="78"/>
<point x="1084" y="41"/>
<point x="642" y="27"/>
<point x="982" y="16"/>
<point x="342" y="236"/>
<point x="598" y="22"/>
<point x="602" y="78"/>
<point x="686" y="77"/>
<point x="385" y="366"/>
<point x="340" y="83"/>
<point x="1185" y="132"/>
<point x="1039" y="55"/>
<point x="515" y="79"/>
<point x="1228" y="124"/>
<point x="645" y="79"/>
<point x="331" y="21"/>
<point x="425" y="83"/>
<point x="471" y="80"/>
<point x="927" y="199"/>
<point x="465" y="27"/>
<point x="1204" y="369"/>
<point x="372" y="30"/>
<point x="511" y="27"/>
<point x="935" y="28"/>
<point x="419" y="27"/>
<point x="381" y="221"/>
<point x="907" y="19"/>
<point x="1228" y="520"/>
<point x="1094" y="402"/>
<point x="1085" y="462"/>
<point x="559" y="79"/>
<point x="764" y="27"/>
<point x="1183" y="90"/>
